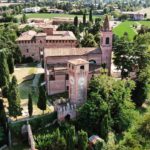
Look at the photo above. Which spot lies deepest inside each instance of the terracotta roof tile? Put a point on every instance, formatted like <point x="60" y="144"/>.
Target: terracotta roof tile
<point x="71" y="51"/>
<point x="78" y="61"/>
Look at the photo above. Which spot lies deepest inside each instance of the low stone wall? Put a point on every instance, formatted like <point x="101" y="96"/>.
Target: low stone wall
<point x="30" y="137"/>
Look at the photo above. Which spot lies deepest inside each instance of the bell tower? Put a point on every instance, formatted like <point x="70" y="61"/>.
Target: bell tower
<point x="106" y="44"/>
<point x="78" y="70"/>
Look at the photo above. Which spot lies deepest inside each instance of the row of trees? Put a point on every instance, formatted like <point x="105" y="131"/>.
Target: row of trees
<point x="109" y="107"/>
<point x="134" y="57"/>
<point x="89" y="29"/>
<point x="64" y="140"/>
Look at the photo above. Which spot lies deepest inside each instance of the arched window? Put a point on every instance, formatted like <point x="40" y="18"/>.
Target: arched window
<point x="92" y="61"/>
<point x="82" y="67"/>
<point x="107" y="40"/>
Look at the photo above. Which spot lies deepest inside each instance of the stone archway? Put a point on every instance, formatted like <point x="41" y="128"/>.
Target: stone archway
<point x="67" y="117"/>
<point x="92" y="61"/>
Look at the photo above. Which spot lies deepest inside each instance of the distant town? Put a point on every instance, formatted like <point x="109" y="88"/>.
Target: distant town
<point x="74" y="75"/>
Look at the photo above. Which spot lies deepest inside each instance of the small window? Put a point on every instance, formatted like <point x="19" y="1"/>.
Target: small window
<point x="82" y="67"/>
<point x="27" y="50"/>
<point x="51" y="77"/>
<point x="67" y="88"/>
<point x="67" y="77"/>
<point x="107" y="40"/>
<point x="40" y="41"/>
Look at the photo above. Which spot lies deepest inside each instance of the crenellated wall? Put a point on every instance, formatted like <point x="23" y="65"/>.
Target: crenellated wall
<point x="67" y="110"/>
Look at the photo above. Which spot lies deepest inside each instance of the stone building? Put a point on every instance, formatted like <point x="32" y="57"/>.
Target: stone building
<point x="134" y="15"/>
<point x="32" y="43"/>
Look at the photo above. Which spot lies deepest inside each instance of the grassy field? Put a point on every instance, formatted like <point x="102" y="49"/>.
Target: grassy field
<point x="146" y="23"/>
<point x="50" y="16"/>
<point x="25" y="75"/>
<point x="127" y="26"/>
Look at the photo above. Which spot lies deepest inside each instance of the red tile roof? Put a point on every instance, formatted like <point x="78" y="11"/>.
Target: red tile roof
<point x="71" y="51"/>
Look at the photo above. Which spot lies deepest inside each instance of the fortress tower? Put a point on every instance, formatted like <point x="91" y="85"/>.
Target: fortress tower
<point x="106" y="43"/>
<point x="78" y="70"/>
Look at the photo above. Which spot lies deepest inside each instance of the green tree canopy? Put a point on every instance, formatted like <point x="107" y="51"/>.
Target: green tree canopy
<point x="82" y="140"/>
<point x="30" y="105"/>
<point x="88" y="40"/>
<point x="42" y="99"/>
<point x="4" y="72"/>
<point x="109" y="102"/>
<point x="14" y="99"/>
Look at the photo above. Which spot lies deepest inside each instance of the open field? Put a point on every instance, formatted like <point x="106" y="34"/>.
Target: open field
<point x="146" y="23"/>
<point x="52" y="15"/>
<point x="127" y="26"/>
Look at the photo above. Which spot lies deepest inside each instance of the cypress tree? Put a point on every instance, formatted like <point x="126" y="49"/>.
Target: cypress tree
<point x="30" y="105"/>
<point x="71" y="138"/>
<point x="10" y="62"/>
<point x="84" y="19"/>
<point x="4" y="72"/>
<point x="105" y="126"/>
<point x="24" y="18"/>
<point x="82" y="140"/>
<point x="42" y="99"/>
<point x="2" y="115"/>
<point x="76" y="21"/>
<point x="91" y="16"/>
<point x="14" y="99"/>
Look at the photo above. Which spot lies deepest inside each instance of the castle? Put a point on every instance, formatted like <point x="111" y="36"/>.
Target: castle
<point x="68" y="68"/>
<point x="57" y="61"/>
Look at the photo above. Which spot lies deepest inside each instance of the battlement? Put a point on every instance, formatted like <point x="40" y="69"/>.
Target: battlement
<point x="69" y="111"/>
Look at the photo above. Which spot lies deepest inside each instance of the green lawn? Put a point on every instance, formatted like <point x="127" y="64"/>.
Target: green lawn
<point x="50" y="16"/>
<point x="127" y="26"/>
<point x="146" y="23"/>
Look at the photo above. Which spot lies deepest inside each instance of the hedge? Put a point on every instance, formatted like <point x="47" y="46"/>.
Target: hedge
<point x="36" y="123"/>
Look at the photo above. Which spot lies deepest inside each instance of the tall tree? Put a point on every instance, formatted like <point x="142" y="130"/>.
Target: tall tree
<point x="76" y="21"/>
<point x="84" y="18"/>
<point x="88" y="40"/>
<point x="142" y="90"/>
<point x="91" y="16"/>
<point x="30" y="105"/>
<point x="14" y="99"/>
<point x="107" y="95"/>
<point x="10" y="62"/>
<point x="70" y="138"/>
<point x="24" y="18"/>
<point x="123" y="55"/>
<point x="42" y="99"/>
<point x="2" y="115"/>
<point x="4" y="72"/>
<point x="82" y="140"/>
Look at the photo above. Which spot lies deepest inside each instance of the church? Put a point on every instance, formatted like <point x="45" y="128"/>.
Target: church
<point x="70" y="68"/>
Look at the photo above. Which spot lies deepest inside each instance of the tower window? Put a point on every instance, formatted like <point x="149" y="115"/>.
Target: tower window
<point x="51" y="77"/>
<point x="27" y="50"/>
<point x="107" y="40"/>
<point x="67" y="77"/>
<point x="82" y="67"/>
